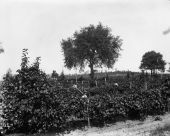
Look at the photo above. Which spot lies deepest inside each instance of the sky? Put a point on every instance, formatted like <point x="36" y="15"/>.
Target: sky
<point x="40" y="26"/>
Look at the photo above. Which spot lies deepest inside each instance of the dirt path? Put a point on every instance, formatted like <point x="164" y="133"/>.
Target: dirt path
<point x="128" y="128"/>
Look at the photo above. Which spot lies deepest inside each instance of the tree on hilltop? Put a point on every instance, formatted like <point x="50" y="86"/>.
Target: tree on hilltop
<point x="153" y="61"/>
<point x="94" y="46"/>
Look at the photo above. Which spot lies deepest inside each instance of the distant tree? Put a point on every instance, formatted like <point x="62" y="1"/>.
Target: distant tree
<point x="94" y="46"/>
<point x="153" y="61"/>
<point x="54" y="74"/>
<point x="9" y="72"/>
<point x="168" y="68"/>
<point x="62" y="76"/>
<point x="128" y="74"/>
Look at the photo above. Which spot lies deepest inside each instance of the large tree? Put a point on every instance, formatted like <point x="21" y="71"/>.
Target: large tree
<point x="153" y="61"/>
<point x="94" y="46"/>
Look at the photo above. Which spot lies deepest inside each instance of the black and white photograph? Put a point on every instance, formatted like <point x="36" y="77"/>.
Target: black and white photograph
<point x="85" y="68"/>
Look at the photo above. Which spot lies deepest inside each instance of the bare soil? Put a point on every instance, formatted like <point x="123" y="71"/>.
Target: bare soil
<point x="127" y="128"/>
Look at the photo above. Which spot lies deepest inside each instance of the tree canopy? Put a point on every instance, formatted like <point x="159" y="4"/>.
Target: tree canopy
<point x="94" y="46"/>
<point x="153" y="61"/>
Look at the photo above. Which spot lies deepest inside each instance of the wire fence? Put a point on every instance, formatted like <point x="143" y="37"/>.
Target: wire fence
<point x="82" y="84"/>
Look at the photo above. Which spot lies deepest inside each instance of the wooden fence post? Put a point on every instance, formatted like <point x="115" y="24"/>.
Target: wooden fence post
<point x="88" y="115"/>
<point x="130" y="85"/>
<point x="146" y="86"/>
<point x="96" y="83"/>
<point x="82" y="85"/>
<point x="168" y="104"/>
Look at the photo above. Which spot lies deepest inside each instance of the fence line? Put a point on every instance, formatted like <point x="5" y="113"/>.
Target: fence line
<point x="98" y="83"/>
<point x="81" y="83"/>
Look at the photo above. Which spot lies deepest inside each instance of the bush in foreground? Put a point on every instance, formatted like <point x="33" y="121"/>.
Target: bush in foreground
<point x="29" y="104"/>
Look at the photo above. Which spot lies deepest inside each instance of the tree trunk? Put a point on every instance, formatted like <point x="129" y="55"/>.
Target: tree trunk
<point x="92" y="83"/>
